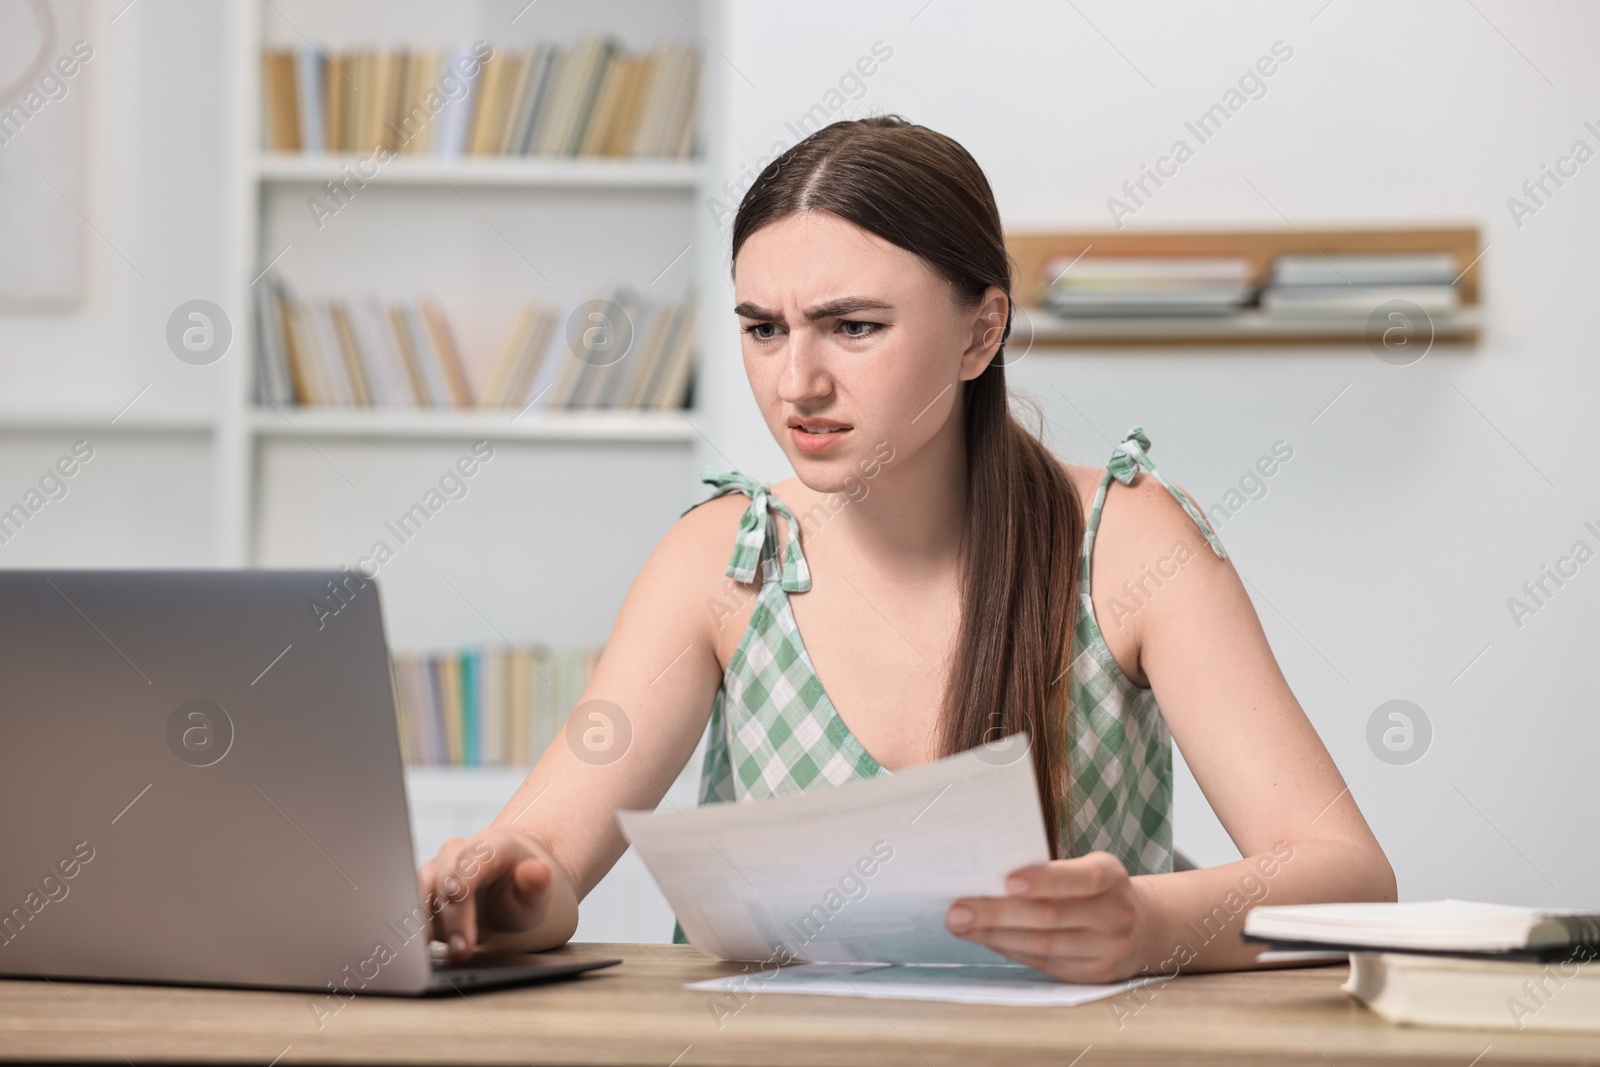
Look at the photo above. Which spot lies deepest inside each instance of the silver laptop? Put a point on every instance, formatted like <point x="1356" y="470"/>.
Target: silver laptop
<point x="200" y="782"/>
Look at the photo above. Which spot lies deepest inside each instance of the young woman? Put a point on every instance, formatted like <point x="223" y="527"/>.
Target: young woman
<point x="959" y="584"/>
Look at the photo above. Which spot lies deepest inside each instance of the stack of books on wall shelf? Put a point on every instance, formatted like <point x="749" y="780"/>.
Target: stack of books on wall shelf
<point x="1354" y="285"/>
<point x="486" y="706"/>
<point x="590" y="98"/>
<point x="368" y="353"/>
<point x="1453" y="962"/>
<point x="1143" y="286"/>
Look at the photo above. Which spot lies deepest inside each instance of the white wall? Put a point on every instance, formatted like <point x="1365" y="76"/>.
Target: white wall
<point x="1385" y="550"/>
<point x="154" y="201"/>
<point x="1390" y="542"/>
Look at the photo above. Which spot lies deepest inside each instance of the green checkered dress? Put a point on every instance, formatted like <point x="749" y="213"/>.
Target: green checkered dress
<point x="773" y="730"/>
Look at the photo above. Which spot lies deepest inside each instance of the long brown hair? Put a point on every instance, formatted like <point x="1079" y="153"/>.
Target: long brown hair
<point x="922" y="191"/>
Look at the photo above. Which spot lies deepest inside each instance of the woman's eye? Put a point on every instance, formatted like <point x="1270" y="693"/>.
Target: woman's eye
<point x="857" y="329"/>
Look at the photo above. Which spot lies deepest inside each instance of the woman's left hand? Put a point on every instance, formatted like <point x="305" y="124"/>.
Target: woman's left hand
<point x="1079" y="920"/>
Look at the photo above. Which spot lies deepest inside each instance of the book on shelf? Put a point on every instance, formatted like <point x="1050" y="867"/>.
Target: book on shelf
<point x="1141" y="286"/>
<point x="1364" y="268"/>
<point x="279" y="97"/>
<point x="447" y="139"/>
<point x="1346" y="301"/>
<point x="591" y="98"/>
<point x="490" y="706"/>
<point x="1355" y="284"/>
<point x="365" y="353"/>
<point x="654" y="373"/>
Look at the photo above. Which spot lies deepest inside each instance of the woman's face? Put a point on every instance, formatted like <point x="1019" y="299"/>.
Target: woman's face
<point x="844" y="330"/>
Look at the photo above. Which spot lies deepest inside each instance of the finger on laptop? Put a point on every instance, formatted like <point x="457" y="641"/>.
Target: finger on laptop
<point x="455" y="877"/>
<point x="485" y="887"/>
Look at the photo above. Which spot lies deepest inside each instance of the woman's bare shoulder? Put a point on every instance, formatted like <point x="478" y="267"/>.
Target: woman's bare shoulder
<point x="701" y="541"/>
<point x="689" y="567"/>
<point x="1086" y="480"/>
<point x="1141" y="529"/>
<point x="1135" y="514"/>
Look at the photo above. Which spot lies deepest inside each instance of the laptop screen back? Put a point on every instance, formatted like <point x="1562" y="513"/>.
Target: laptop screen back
<point x="201" y="782"/>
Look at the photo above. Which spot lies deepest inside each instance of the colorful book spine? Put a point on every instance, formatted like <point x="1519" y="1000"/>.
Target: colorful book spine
<point x="450" y="709"/>
<point x="367" y="353"/>
<point x="309" y="72"/>
<point x="471" y="715"/>
<point x="498" y="706"/>
<point x="590" y="98"/>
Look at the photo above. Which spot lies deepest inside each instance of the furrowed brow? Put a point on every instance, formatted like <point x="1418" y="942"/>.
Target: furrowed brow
<point x="845" y="305"/>
<point x="748" y="310"/>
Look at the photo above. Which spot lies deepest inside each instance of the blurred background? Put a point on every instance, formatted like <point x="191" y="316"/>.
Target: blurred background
<point x="271" y="269"/>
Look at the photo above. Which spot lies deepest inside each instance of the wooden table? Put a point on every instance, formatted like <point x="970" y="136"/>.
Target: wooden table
<point x="639" y="1013"/>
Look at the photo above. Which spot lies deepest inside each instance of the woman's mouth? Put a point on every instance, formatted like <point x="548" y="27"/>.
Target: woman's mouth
<point x="814" y="437"/>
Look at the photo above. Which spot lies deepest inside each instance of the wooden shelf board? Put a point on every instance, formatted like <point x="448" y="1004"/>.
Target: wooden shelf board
<point x="547" y="172"/>
<point x="623" y="426"/>
<point x="44" y="420"/>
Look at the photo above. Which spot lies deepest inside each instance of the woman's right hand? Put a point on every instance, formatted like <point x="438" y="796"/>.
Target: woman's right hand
<point x="496" y="891"/>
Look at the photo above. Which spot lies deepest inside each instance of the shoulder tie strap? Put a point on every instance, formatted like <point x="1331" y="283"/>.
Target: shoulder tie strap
<point x="757" y="540"/>
<point x="1132" y="456"/>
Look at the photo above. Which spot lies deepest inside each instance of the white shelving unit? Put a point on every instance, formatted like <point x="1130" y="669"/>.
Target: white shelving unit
<point x="70" y="420"/>
<point x="666" y="427"/>
<point x="483" y="230"/>
<point x="529" y="172"/>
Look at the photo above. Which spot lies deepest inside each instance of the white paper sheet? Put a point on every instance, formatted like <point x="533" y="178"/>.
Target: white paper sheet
<point x="861" y="873"/>
<point x="978" y="984"/>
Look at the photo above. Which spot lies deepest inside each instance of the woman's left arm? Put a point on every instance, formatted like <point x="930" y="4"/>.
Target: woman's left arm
<point x="1196" y="641"/>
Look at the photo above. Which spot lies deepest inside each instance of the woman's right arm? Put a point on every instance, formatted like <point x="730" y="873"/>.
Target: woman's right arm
<point x="515" y="885"/>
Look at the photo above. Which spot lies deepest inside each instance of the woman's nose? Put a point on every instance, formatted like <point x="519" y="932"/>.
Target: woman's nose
<point x="805" y="372"/>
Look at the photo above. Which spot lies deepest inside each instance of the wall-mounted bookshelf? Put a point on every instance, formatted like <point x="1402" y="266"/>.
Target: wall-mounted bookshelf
<point x="1042" y="257"/>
